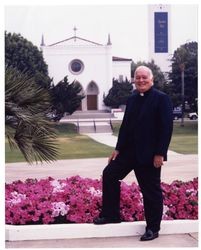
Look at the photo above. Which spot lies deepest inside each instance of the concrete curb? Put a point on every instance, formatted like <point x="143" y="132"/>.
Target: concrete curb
<point x="71" y="231"/>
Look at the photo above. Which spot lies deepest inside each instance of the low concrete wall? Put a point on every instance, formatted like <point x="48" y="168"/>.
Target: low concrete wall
<point x="70" y="231"/>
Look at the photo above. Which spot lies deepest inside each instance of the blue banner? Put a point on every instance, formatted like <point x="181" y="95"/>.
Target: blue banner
<point x="161" y="32"/>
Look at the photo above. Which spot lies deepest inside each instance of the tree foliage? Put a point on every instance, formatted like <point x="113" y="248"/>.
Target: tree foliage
<point x="25" y="57"/>
<point x="118" y="94"/>
<point x="26" y="124"/>
<point x="66" y="98"/>
<point x="185" y="56"/>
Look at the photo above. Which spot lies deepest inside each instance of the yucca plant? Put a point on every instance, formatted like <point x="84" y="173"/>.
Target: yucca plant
<point x="27" y="125"/>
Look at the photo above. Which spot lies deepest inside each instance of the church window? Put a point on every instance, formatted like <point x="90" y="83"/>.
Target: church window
<point x="76" y="66"/>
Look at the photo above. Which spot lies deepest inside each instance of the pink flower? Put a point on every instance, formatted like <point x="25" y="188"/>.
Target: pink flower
<point x="59" y="208"/>
<point x="79" y="200"/>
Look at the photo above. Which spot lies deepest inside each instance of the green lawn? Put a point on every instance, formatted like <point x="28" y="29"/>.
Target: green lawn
<point x="71" y="146"/>
<point x="184" y="139"/>
<point x="75" y="146"/>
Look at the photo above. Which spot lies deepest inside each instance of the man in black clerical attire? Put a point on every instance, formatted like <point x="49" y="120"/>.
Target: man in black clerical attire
<point x="142" y="146"/>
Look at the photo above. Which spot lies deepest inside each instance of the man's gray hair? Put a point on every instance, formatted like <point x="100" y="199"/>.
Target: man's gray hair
<point x="145" y="68"/>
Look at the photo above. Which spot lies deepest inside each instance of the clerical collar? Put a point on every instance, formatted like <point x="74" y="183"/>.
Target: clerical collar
<point x="145" y="93"/>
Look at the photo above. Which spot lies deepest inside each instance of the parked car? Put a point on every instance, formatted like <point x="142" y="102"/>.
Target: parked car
<point x="177" y="113"/>
<point x="193" y="116"/>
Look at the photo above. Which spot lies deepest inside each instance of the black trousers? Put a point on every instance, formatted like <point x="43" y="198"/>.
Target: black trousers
<point x="148" y="178"/>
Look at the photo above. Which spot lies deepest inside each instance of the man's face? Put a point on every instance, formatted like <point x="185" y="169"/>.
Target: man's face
<point x="142" y="80"/>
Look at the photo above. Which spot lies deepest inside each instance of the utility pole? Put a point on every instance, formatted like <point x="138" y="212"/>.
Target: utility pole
<point x="182" y="67"/>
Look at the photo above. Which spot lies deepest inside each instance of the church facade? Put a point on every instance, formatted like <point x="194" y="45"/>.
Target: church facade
<point x="89" y="63"/>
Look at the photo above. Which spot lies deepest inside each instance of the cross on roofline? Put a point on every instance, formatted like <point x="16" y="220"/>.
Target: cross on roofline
<point x="75" y="29"/>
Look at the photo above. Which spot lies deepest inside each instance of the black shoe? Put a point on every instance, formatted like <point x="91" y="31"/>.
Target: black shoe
<point x="105" y="220"/>
<point x="149" y="235"/>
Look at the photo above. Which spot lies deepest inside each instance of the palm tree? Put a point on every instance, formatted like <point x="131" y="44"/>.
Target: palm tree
<point x="27" y="126"/>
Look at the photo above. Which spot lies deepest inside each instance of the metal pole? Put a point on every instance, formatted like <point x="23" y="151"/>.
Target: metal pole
<point x="182" y="95"/>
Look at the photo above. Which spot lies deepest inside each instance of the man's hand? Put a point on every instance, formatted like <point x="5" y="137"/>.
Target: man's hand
<point x="113" y="156"/>
<point x="158" y="161"/>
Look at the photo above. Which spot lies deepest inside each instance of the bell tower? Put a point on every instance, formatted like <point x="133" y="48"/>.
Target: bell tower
<point x="159" y="35"/>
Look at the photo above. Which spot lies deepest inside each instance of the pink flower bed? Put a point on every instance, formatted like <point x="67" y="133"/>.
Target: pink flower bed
<point x="78" y="200"/>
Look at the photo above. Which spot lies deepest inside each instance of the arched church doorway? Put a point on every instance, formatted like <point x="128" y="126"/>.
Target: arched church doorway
<point x="92" y="96"/>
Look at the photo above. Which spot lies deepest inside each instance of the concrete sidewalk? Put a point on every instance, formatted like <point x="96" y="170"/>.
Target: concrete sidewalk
<point x="111" y="140"/>
<point x="164" y="241"/>
<point x="178" y="167"/>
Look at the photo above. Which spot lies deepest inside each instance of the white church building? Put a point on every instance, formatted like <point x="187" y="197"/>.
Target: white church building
<point x="94" y="66"/>
<point x="89" y="63"/>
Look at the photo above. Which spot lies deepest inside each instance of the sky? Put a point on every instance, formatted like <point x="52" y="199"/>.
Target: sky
<point x="126" y="23"/>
